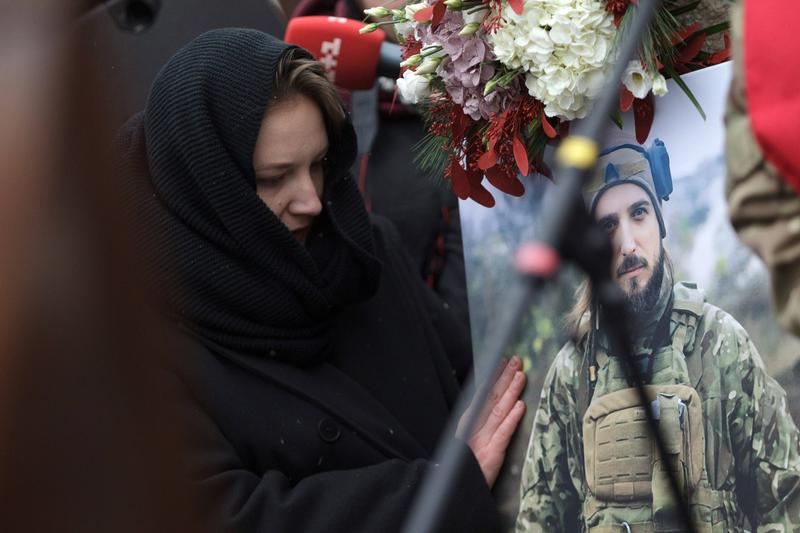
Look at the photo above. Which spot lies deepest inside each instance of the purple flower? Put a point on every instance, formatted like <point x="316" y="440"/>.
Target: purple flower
<point x="470" y="64"/>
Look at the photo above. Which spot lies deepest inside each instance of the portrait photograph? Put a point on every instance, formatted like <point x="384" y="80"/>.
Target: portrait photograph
<point x="662" y="203"/>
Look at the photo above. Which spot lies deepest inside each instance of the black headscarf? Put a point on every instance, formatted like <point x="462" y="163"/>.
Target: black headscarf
<point x="227" y="266"/>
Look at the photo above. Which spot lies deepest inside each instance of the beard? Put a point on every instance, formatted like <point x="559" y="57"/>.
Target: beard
<point x="643" y="300"/>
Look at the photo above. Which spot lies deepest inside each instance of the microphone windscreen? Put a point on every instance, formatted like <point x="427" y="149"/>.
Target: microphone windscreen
<point x="350" y="58"/>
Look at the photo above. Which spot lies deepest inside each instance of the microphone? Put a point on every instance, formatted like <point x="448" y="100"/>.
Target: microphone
<point x="352" y="60"/>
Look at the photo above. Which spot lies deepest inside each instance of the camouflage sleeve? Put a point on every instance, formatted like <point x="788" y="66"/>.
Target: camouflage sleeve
<point x="548" y="498"/>
<point x="765" y="442"/>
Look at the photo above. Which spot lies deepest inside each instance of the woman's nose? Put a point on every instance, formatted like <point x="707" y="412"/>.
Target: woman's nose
<point x="306" y="200"/>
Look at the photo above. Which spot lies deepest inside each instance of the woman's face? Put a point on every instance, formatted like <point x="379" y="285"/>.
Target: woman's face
<point x="289" y="162"/>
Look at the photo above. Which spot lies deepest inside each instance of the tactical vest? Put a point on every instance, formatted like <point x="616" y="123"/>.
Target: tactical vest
<point x="627" y="488"/>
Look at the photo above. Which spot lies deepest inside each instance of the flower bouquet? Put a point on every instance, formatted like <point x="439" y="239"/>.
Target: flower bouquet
<point x="498" y="79"/>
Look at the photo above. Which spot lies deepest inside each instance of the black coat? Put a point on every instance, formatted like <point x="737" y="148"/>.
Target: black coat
<point x="341" y="445"/>
<point x="312" y="380"/>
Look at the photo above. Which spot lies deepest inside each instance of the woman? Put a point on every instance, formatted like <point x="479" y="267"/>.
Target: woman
<point x="315" y="375"/>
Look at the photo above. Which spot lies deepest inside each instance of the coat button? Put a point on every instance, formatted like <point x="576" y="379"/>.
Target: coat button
<point x="329" y="430"/>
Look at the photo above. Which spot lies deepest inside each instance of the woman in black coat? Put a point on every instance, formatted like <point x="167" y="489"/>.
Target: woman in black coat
<point x="313" y="371"/>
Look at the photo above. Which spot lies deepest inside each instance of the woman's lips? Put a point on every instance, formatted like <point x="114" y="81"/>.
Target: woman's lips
<point x="300" y="233"/>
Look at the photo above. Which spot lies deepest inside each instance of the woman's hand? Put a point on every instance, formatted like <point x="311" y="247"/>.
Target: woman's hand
<point x="498" y="420"/>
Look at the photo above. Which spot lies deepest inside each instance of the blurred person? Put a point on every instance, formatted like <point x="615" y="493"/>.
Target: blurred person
<point x="591" y="464"/>
<point x="82" y="446"/>
<point x="313" y="381"/>
<point x="763" y="167"/>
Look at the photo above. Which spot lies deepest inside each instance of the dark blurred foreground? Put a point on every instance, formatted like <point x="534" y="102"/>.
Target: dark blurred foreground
<point x="84" y="445"/>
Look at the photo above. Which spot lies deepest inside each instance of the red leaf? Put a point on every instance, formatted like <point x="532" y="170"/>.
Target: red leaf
<point x="507" y="184"/>
<point x="460" y="125"/>
<point x="719" y="57"/>
<point x="516" y="5"/>
<point x="617" y="19"/>
<point x="439" y="10"/>
<point x="459" y="181"/>
<point x="475" y="177"/>
<point x="625" y="99"/>
<point x="424" y="15"/>
<point x="482" y="196"/>
<point x="549" y="130"/>
<point x="643" y="112"/>
<point x="520" y="156"/>
<point x="692" y="49"/>
<point x="722" y="55"/>
<point x="686" y="32"/>
<point x="488" y="159"/>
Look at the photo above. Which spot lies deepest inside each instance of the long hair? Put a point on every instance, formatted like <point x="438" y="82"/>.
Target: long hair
<point x="577" y="326"/>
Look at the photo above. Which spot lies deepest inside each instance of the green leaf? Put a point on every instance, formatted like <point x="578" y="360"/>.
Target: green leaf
<point x="616" y="118"/>
<point x="684" y="9"/>
<point x="701" y="56"/>
<point x="532" y="127"/>
<point x="431" y="157"/>
<point x="710" y="30"/>
<point x="657" y="40"/>
<point x="535" y="142"/>
<point x="685" y="88"/>
<point x="664" y="29"/>
<point x="716" y="28"/>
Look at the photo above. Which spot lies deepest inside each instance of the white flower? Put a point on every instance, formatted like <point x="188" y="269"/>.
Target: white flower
<point x="591" y="83"/>
<point x="369" y="28"/>
<point x="428" y="66"/>
<point x="474" y="17"/>
<point x="505" y="50"/>
<point x="403" y="30"/>
<point x="565" y="47"/>
<point x="412" y="61"/>
<point x="561" y="34"/>
<point x="430" y="62"/>
<point x="637" y="80"/>
<point x="413" y="87"/>
<point x="377" y="12"/>
<point x="659" y="85"/>
<point x="411" y="9"/>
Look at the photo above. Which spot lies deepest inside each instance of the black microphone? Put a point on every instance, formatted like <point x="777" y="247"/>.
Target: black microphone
<point x="389" y="60"/>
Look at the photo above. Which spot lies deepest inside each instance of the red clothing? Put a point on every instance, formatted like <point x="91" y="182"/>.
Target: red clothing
<point x="772" y="83"/>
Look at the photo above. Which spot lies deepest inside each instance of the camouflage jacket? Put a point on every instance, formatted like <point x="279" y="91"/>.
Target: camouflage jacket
<point x="751" y="442"/>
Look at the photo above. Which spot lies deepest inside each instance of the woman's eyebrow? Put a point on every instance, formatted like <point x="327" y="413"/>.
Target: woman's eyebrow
<point x="281" y="165"/>
<point x="274" y="166"/>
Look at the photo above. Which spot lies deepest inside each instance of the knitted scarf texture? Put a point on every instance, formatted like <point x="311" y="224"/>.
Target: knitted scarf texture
<point x="225" y="265"/>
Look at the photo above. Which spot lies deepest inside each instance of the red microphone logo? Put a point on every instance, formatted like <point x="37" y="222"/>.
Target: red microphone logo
<point x="350" y="58"/>
<point x="330" y="50"/>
